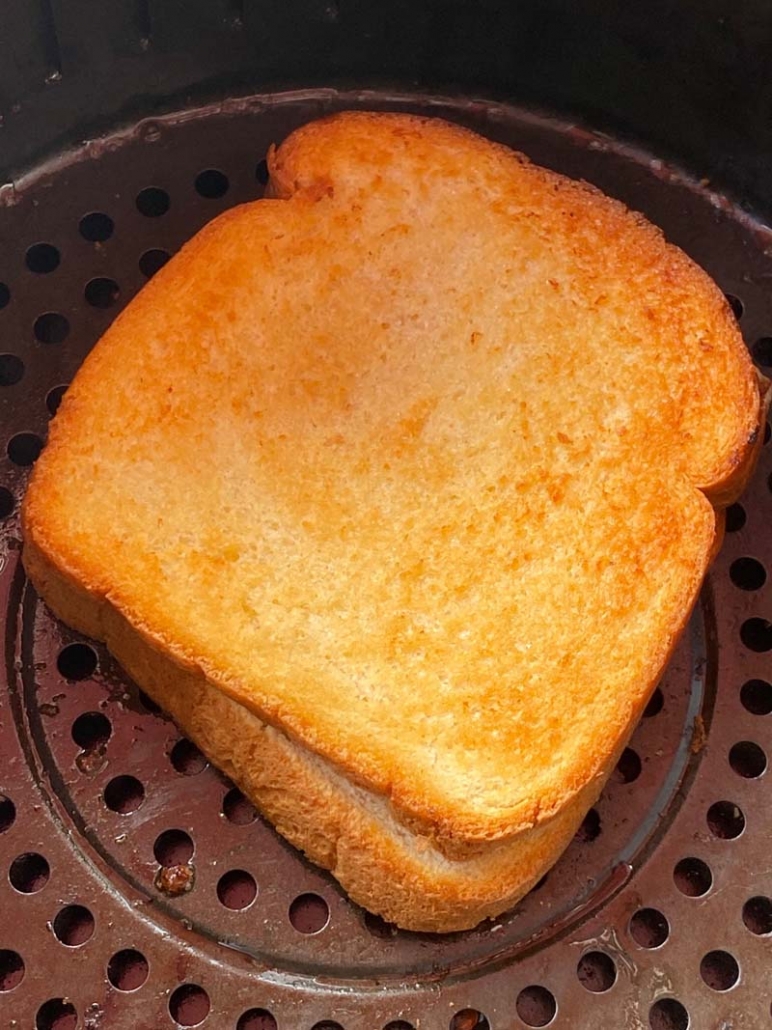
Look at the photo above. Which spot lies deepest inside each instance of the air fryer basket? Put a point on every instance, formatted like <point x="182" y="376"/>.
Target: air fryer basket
<point x="139" y="889"/>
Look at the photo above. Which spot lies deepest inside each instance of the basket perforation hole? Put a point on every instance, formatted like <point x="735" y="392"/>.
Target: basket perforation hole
<point x="629" y="766"/>
<point x="719" y="970"/>
<point x="590" y="829"/>
<point x="757" y="915"/>
<point x="42" y="258"/>
<point x="655" y="705"/>
<point x="96" y="227"/>
<point x="11" y="369"/>
<point x="73" y="925"/>
<point x="379" y="927"/>
<point x="649" y="928"/>
<point x="536" y="1005"/>
<point x="54" y="398"/>
<point x="152" y="202"/>
<point x="236" y="890"/>
<point x="77" y="662"/>
<point x="148" y="703"/>
<point x="309" y="913"/>
<point x="756" y="635"/>
<point x="596" y="971"/>
<point x="668" y="1014"/>
<point x="756" y="697"/>
<point x="257" y="1019"/>
<point x="767" y="433"/>
<point x="747" y="759"/>
<point x="725" y="820"/>
<point x="5" y="296"/>
<point x="56" y="1014"/>
<point x="24" y="449"/>
<point x="327" y="1024"/>
<point x="693" y="877"/>
<point x="237" y="809"/>
<point x="127" y="970"/>
<point x="469" y="1019"/>
<point x="762" y="351"/>
<point x="124" y="794"/>
<point x="187" y="759"/>
<point x="173" y="847"/>
<point x="51" y="327"/>
<point x="747" y="574"/>
<point x="261" y="172"/>
<point x="29" y="873"/>
<point x="735" y="518"/>
<point x="101" y="292"/>
<point x="7" y="813"/>
<point x="11" y="969"/>
<point x="91" y="730"/>
<point x="7" y="502"/>
<point x="399" y="1024"/>
<point x="211" y="184"/>
<point x="189" y="1005"/>
<point x="152" y="261"/>
<point x="736" y="304"/>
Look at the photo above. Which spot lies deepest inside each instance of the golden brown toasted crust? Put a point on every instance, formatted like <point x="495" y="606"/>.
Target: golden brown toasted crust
<point x="376" y="470"/>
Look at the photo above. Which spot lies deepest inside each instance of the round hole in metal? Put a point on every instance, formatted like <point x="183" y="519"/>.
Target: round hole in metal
<point x="124" y="794"/>
<point x="148" y="703"/>
<point x="5" y="296"/>
<point x="73" y="925"/>
<point x="756" y="634"/>
<point x="757" y="915"/>
<point x="186" y="758"/>
<point x="96" y="227"/>
<point x="77" y="662"/>
<point x="236" y="889"/>
<point x="91" y="730"/>
<point x="327" y="1024"/>
<point x="536" y="1005"/>
<point x="29" y="873"/>
<point x="211" y="183"/>
<point x="11" y="369"/>
<point x="399" y="1024"/>
<point x="56" y="1014"/>
<point x="7" y="502"/>
<point x="693" y="877"/>
<point x="735" y="518"/>
<point x="7" y="813"/>
<point x="747" y="573"/>
<point x="649" y="928"/>
<point x="596" y="971"/>
<point x="762" y="351"/>
<point x="153" y="202"/>
<point x="51" y="327"/>
<point x="719" y="970"/>
<point x="54" y="398"/>
<point x="590" y="829"/>
<point x="173" y="847"/>
<point x="655" y="705"/>
<point x="747" y="759"/>
<point x="127" y="970"/>
<point x="629" y="766"/>
<point x="152" y="261"/>
<point x="469" y="1019"/>
<point x="309" y="913"/>
<point x="725" y="820"/>
<point x="189" y="1005"/>
<point x="237" y="809"/>
<point x="736" y="305"/>
<point x="261" y="172"/>
<point x="378" y="926"/>
<point x="101" y="292"/>
<point x="42" y="258"/>
<point x="756" y="697"/>
<point x="257" y="1019"/>
<point x="11" y="969"/>
<point x="668" y="1014"/>
<point x="24" y="449"/>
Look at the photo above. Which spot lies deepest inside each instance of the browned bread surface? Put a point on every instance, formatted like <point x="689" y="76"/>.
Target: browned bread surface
<point x="403" y="476"/>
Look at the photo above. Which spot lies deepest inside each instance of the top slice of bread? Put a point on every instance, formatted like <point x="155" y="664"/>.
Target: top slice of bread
<point x="417" y="461"/>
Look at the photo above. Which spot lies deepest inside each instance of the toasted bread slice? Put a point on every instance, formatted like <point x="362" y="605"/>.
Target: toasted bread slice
<point x="396" y="491"/>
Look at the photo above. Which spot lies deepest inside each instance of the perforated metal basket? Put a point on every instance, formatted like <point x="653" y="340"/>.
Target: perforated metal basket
<point x="138" y="889"/>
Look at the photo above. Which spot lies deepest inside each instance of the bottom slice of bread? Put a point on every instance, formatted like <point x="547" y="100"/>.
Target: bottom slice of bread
<point x="385" y="867"/>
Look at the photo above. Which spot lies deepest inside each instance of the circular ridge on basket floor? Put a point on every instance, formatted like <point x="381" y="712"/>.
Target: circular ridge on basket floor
<point x="677" y="823"/>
